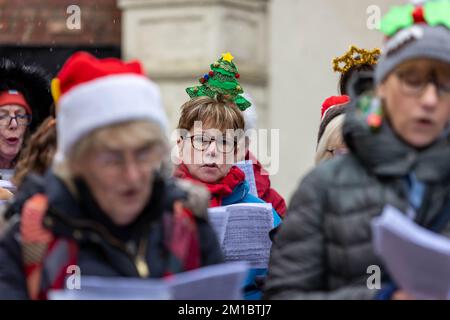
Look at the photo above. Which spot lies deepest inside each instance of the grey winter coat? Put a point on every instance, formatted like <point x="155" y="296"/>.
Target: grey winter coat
<point x="323" y="249"/>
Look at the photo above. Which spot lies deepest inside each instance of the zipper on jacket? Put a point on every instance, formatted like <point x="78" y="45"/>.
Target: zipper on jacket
<point x="140" y="261"/>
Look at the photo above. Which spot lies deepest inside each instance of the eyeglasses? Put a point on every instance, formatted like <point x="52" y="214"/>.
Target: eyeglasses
<point x="415" y="83"/>
<point x="116" y="161"/>
<point x="202" y="142"/>
<point x="21" y="119"/>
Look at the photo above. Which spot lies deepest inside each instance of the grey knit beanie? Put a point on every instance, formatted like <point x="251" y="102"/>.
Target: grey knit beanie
<point x="417" y="41"/>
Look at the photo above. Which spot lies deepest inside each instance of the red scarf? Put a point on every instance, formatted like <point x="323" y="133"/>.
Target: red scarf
<point x="218" y="190"/>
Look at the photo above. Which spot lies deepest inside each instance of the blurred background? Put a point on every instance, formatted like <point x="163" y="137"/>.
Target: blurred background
<point x="283" y="49"/>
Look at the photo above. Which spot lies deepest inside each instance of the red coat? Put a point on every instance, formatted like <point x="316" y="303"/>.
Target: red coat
<point x="265" y="192"/>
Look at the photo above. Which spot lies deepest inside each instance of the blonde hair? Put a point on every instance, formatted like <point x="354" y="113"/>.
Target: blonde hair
<point x="331" y="136"/>
<point x="130" y="133"/>
<point x="218" y="114"/>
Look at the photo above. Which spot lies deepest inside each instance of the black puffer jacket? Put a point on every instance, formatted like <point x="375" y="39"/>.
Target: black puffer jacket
<point x="324" y="248"/>
<point x="110" y="251"/>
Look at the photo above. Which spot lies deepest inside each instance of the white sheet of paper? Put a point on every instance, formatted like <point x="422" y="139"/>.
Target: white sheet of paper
<point x="247" y="230"/>
<point x="417" y="259"/>
<point x="115" y="288"/>
<point x="247" y="167"/>
<point x="7" y="174"/>
<point x="217" y="282"/>
<point x="7" y="185"/>
<point x="218" y="217"/>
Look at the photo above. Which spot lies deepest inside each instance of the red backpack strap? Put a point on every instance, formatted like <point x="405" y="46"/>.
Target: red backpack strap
<point x="35" y="241"/>
<point x="63" y="254"/>
<point x="40" y="248"/>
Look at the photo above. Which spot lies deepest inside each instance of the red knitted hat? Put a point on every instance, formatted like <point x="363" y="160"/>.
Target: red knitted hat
<point x="14" y="97"/>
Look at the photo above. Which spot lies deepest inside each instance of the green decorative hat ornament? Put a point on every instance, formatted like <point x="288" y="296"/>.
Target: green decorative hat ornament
<point x="222" y="80"/>
<point x="433" y="13"/>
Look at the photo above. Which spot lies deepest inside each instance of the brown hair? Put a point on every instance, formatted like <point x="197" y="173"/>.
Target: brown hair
<point x="38" y="154"/>
<point x="217" y="113"/>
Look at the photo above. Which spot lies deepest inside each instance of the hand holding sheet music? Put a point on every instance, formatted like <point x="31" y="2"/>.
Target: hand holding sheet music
<point x="417" y="259"/>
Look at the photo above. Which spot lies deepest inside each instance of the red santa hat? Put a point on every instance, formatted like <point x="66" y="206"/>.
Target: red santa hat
<point x="91" y="93"/>
<point x="331" y="108"/>
<point x="331" y="102"/>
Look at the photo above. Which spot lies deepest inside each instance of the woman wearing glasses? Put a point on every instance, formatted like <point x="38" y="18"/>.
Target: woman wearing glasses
<point x="105" y="206"/>
<point x="24" y="103"/>
<point x="211" y="135"/>
<point x="400" y="151"/>
<point x="15" y="115"/>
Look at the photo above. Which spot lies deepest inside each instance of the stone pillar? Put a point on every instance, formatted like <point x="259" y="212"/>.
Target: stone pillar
<point x="177" y="40"/>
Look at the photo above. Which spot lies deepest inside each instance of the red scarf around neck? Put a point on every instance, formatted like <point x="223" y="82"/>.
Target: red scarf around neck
<point x="218" y="190"/>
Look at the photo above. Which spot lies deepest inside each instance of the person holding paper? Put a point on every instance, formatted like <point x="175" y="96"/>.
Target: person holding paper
<point x="400" y="151"/>
<point x="105" y="209"/>
<point x="211" y="134"/>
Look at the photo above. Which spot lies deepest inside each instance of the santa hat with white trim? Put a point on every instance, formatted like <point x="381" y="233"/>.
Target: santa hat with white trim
<point x="331" y="108"/>
<point x="91" y="93"/>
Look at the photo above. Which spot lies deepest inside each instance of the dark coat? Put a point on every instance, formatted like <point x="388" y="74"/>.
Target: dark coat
<point x="324" y="247"/>
<point x="100" y="253"/>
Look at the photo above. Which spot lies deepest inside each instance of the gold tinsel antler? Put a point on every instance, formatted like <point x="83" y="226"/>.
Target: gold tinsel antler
<point x="355" y="56"/>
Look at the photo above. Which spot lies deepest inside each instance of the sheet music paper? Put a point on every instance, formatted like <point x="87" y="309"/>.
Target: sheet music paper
<point x="218" y="217"/>
<point x="417" y="259"/>
<point x="246" y="234"/>
<point x="247" y="167"/>
<point x="217" y="282"/>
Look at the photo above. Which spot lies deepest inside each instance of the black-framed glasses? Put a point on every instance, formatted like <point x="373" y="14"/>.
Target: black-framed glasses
<point x="21" y="119"/>
<point x="201" y="142"/>
<point x="415" y="83"/>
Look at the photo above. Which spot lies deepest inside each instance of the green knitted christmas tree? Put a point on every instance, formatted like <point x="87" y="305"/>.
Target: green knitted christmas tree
<point x="221" y="80"/>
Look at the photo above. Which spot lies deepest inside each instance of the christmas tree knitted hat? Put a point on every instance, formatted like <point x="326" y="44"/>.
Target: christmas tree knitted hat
<point x="221" y="80"/>
<point x="415" y="31"/>
<point x="91" y="93"/>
